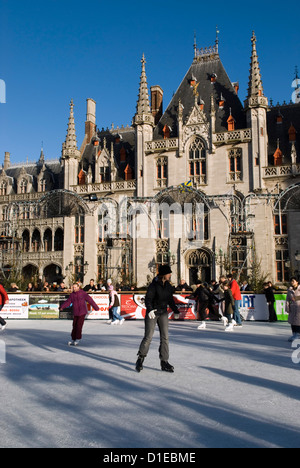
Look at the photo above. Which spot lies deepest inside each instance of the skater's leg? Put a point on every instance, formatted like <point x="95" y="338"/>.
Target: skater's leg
<point x="149" y="330"/>
<point x="78" y="322"/>
<point x="163" y="325"/>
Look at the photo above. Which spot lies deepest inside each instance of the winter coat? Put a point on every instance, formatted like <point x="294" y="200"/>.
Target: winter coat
<point x="202" y="294"/>
<point x="78" y="300"/>
<point x="159" y="296"/>
<point x="229" y="302"/>
<point x="235" y="291"/>
<point x="269" y="295"/>
<point x="114" y="299"/>
<point x="293" y="306"/>
<point x="3" y="296"/>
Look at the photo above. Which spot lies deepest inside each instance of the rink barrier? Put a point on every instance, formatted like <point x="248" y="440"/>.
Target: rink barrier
<point x="46" y="306"/>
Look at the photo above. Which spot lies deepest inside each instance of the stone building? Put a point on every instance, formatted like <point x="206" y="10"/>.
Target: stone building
<point x="209" y="184"/>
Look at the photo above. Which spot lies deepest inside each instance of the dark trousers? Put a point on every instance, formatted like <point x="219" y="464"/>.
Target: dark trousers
<point x="163" y="324"/>
<point x="295" y="329"/>
<point x="2" y="321"/>
<point x="78" y="322"/>
<point x="272" y="313"/>
<point x="202" y="315"/>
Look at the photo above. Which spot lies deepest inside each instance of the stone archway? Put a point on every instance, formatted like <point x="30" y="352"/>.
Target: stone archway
<point x="53" y="273"/>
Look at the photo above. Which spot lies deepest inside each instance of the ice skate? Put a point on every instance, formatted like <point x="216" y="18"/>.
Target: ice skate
<point x="139" y="364"/>
<point x="224" y="320"/>
<point x="115" y="322"/>
<point x="165" y="366"/>
<point x="202" y="326"/>
<point x="73" y="343"/>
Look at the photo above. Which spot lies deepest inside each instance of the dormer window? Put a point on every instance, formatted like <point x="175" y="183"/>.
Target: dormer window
<point x="104" y="174"/>
<point x="213" y="78"/>
<point x="3" y="188"/>
<point x="122" y="154"/>
<point x="23" y="186"/>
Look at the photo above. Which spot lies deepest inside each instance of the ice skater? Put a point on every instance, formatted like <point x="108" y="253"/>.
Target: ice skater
<point x="293" y="308"/>
<point x="159" y="296"/>
<point x="3" y="300"/>
<point x="114" y="305"/>
<point x="229" y="307"/>
<point x="236" y="292"/>
<point x="78" y="298"/>
<point x="206" y="301"/>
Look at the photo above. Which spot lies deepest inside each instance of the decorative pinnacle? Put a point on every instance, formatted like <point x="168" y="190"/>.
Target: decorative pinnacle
<point x="143" y="106"/>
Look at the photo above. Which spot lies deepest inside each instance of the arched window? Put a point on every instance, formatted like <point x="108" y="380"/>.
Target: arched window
<point x="25" y="241"/>
<point x="79" y="228"/>
<point x="48" y="240"/>
<point x="36" y="240"/>
<point x="59" y="240"/>
<point x="235" y="165"/>
<point x="197" y="162"/>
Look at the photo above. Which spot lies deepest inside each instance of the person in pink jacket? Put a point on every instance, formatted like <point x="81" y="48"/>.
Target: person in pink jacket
<point x="78" y="298"/>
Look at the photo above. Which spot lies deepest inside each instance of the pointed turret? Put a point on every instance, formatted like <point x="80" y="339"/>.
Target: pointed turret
<point x="256" y="106"/>
<point x="255" y="96"/>
<point x="70" y="153"/>
<point x="69" y="147"/>
<point x="143" y="110"/>
<point x="144" y="123"/>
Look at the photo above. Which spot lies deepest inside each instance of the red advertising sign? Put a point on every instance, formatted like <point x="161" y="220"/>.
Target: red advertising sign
<point x="133" y="306"/>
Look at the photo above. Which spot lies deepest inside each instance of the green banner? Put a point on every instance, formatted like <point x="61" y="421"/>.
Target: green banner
<point x="280" y="300"/>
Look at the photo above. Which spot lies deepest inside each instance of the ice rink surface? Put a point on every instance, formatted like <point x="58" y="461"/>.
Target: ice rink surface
<point x="238" y="389"/>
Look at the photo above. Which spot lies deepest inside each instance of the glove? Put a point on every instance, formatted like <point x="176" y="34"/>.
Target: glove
<point x="152" y="314"/>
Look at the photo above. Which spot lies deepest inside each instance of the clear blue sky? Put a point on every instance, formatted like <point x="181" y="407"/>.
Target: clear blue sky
<point x="52" y="51"/>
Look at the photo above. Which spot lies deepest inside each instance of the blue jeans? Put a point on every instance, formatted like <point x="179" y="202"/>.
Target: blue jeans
<point x="236" y="313"/>
<point x="115" y="315"/>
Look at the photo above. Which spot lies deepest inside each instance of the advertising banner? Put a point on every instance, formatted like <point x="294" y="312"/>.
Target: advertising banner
<point x="102" y="301"/>
<point x="254" y="307"/>
<point x="44" y="306"/>
<point x="280" y="307"/>
<point x="17" y="307"/>
<point x="133" y="306"/>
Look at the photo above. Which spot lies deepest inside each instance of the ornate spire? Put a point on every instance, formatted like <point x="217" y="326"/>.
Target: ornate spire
<point x="143" y="111"/>
<point x="255" y="96"/>
<point x="69" y="148"/>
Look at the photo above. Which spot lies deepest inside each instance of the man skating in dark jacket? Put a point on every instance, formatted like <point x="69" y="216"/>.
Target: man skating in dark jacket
<point x="159" y="296"/>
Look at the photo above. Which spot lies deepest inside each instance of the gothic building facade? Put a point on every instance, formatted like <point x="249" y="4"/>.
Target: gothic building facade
<point x="209" y="184"/>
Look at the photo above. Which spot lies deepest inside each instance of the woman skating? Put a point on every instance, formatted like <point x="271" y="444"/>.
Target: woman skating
<point x="293" y="308"/>
<point x="78" y="298"/>
<point x="159" y="296"/>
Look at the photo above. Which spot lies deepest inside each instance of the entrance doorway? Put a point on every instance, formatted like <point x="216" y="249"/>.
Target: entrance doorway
<point x="200" y="266"/>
